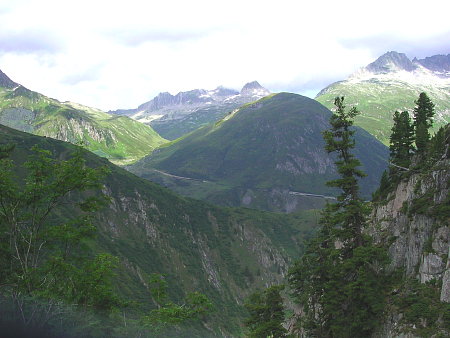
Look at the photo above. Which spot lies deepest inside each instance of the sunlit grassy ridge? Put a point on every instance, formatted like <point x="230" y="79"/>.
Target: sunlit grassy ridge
<point x="118" y="138"/>
<point x="378" y="101"/>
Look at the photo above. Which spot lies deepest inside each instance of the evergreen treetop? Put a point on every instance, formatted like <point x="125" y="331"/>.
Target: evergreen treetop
<point x="423" y="120"/>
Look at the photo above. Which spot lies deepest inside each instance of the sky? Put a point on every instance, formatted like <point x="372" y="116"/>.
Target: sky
<point x="119" y="54"/>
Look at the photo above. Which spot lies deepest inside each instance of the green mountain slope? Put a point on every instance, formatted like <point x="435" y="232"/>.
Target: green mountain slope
<point x="260" y="155"/>
<point x="224" y="253"/>
<point x="391" y="83"/>
<point x="119" y="138"/>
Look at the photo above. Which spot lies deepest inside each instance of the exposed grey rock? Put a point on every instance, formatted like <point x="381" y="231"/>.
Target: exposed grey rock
<point x="391" y="61"/>
<point x="445" y="291"/>
<point x="418" y="243"/>
<point x="436" y="63"/>
<point x="6" y="82"/>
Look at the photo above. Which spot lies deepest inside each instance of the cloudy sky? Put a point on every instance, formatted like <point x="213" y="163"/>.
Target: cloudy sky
<point x="119" y="54"/>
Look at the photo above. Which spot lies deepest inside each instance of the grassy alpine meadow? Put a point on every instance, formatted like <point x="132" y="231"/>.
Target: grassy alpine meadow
<point x="377" y="102"/>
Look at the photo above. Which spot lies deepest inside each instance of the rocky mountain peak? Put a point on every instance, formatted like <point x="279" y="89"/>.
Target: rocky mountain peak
<point x="6" y="82"/>
<point x="254" y="88"/>
<point x="435" y="63"/>
<point x="223" y="91"/>
<point x="391" y="62"/>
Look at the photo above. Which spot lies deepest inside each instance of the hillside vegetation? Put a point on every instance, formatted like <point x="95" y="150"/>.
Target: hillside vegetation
<point x="118" y="138"/>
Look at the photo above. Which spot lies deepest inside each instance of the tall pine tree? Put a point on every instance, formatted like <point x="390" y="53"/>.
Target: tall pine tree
<point x="401" y="140"/>
<point x="339" y="281"/>
<point x="423" y="120"/>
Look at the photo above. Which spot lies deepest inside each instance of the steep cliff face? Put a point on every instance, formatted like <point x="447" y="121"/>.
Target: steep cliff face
<point x="413" y="223"/>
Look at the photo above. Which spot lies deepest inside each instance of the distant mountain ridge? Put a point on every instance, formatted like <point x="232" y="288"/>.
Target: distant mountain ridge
<point x="173" y="116"/>
<point x="391" y="62"/>
<point x="119" y="138"/>
<point x="393" y="82"/>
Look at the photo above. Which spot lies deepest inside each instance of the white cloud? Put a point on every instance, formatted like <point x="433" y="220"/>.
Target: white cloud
<point x="119" y="54"/>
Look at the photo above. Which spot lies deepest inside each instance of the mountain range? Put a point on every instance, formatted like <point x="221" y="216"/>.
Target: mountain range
<point x="393" y="82"/>
<point x="173" y="116"/>
<point x="268" y="154"/>
<point x="119" y="138"/>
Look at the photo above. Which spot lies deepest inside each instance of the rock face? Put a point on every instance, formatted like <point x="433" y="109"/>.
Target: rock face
<point x="391" y="61"/>
<point x="420" y="242"/>
<point x="6" y="82"/>
<point x="417" y="233"/>
<point x="436" y="63"/>
<point x="254" y="89"/>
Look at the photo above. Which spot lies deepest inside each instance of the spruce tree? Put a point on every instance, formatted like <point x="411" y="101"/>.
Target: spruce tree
<point x="401" y="140"/>
<point x="266" y="313"/>
<point x="349" y="212"/>
<point x="339" y="281"/>
<point x="423" y="120"/>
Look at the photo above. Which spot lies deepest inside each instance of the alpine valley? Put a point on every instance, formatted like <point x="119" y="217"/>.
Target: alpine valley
<point x="208" y="214"/>
<point x="268" y="154"/>
<point x="223" y="253"/>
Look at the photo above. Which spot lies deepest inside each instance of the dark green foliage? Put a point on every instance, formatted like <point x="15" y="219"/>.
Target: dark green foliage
<point x="266" y="313"/>
<point x="349" y="213"/>
<point x="423" y="120"/>
<point x="420" y="306"/>
<point x="184" y="230"/>
<point x="401" y="140"/>
<point x="384" y="188"/>
<point x="42" y="258"/>
<point x="439" y="143"/>
<point x="168" y="313"/>
<point x="422" y="137"/>
<point x="401" y="147"/>
<point x="340" y="280"/>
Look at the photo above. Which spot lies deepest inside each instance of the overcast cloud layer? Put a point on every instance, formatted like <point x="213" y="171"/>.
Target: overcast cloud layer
<point x="111" y="54"/>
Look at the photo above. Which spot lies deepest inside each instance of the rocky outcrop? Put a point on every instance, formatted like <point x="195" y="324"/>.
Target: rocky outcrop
<point x="6" y="82"/>
<point x="391" y="61"/>
<point x="416" y="231"/>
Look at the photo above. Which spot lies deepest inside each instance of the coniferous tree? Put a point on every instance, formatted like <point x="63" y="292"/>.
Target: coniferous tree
<point x="401" y="140"/>
<point x="350" y="212"/>
<point x="266" y="313"/>
<point x="339" y="281"/>
<point x="423" y="120"/>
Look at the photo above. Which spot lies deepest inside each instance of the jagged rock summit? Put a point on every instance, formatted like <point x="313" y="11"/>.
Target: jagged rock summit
<point x="254" y="89"/>
<point x="391" y="61"/>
